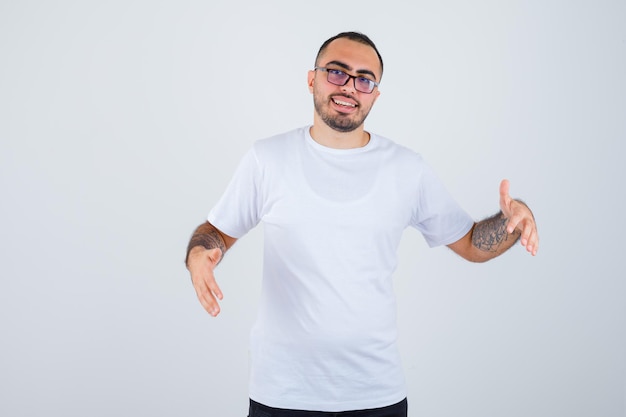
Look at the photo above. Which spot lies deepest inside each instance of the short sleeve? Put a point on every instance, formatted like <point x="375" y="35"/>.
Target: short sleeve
<point x="437" y="215"/>
<point x="239" y="208"/>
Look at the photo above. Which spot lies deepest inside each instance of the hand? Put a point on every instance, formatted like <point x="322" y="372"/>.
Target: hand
<point x="520" y="219"/>
<point x="201" y="264"/>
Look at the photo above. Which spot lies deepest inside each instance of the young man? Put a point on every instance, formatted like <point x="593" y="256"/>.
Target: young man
<point x="335" y="200"/>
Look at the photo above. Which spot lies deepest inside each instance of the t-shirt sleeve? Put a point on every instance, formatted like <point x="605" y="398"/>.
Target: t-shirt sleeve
<point x="239" y="208"/>
<point x="437" y="215"/>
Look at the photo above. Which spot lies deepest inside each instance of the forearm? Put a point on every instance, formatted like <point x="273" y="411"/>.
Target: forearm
<point x="490" y="237"/>
<point x="208" y="237"/>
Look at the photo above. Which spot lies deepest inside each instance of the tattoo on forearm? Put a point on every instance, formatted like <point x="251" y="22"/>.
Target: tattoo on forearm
<point x="209" y="239"/>
<point x="490" y="233"/>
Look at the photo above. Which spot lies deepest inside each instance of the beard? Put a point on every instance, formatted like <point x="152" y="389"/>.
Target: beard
<point x="338" y="121"/>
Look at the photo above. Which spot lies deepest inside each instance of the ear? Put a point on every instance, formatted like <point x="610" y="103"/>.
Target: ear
<point x="377" y="93"/>
<point x="311" y="80"/>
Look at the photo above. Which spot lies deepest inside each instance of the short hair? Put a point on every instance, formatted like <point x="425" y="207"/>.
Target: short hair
<point x="353" y="36"/>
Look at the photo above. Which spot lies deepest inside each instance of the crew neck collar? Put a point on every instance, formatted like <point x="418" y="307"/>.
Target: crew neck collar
<point x="350" y="151"/>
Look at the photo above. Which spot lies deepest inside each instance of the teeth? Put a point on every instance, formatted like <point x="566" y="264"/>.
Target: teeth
<point x="343" y="103"/>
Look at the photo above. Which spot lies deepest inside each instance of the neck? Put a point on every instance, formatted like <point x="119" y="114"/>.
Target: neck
<point x="324" y="135"/>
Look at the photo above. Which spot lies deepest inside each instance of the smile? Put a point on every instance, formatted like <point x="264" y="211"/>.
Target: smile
<point x="343" y="103"/>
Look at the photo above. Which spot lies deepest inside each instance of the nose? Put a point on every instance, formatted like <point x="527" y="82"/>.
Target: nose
<point x="349" y="86"/>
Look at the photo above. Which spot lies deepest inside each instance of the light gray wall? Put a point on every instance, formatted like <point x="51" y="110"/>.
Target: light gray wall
<point x="122" y="121"/>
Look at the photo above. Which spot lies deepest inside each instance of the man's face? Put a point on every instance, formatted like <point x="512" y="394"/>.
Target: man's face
<point x="343" y="108"/>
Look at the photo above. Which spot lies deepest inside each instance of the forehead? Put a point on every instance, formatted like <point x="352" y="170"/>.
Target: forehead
<point x="358" y="56"/>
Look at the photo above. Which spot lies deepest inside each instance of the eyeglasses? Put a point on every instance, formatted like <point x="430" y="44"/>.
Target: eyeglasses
<point x="338" y="77"/>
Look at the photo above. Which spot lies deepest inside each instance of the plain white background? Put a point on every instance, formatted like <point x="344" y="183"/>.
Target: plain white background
<point x="121" y="123"/>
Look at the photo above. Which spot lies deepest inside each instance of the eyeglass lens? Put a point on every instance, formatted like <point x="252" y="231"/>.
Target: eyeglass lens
<point x="362" y="84"/>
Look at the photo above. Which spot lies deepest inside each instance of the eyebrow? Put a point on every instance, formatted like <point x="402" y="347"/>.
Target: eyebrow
<point x="349" y="68"/>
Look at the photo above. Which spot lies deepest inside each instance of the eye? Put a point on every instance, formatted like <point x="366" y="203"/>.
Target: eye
<point x="336" y="72"/>
<point x="364" y="81"/>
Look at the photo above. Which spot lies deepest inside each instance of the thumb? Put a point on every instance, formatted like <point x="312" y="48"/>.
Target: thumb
<point x="505" y="198"/>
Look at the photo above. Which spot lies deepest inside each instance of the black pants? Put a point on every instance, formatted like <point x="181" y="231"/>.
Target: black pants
<point x="396" y="410"/>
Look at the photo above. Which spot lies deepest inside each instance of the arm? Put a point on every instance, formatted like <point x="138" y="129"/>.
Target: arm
<point x="205" y="250"/>
<point x="493" y="236"/>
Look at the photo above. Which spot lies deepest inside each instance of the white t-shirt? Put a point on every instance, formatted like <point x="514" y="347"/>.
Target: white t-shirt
<point x="325" y="336"/>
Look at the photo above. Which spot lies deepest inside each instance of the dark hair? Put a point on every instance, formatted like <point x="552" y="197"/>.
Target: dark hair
<point x="353" y="36"/>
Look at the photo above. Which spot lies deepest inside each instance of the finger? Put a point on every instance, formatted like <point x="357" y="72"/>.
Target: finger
<point x="504" y="187"/>
<point x="215" y="290"/>
<point x="211" y="285"/>
<point x="212" y="307"/>
<point x="527" y="230"/>
<point x="513" y="223"/>
<point x="533" y="243"/>
<point x="208" y="301"/>
<point x="530" y="248"/>
<point x="505" y="198"/>
<point x="213" y="293"/>
<point x="530" y="239"/>
<point x="206" y="298"/>
<point x="205" y="290"/>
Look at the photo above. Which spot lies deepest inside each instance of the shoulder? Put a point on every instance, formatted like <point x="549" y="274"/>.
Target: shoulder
<point x="277" y="150"/>
<point x="399" y="154"/>
<point x="279" y="143"/>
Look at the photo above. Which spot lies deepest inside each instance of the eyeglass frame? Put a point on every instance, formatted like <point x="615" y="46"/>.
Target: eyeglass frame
<point x="354" y="77"/>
